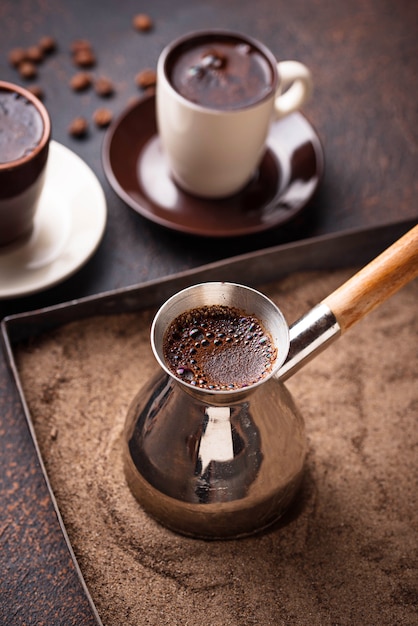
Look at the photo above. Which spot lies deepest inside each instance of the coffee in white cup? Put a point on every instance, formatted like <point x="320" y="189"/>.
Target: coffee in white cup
<point x="217" y="94"/>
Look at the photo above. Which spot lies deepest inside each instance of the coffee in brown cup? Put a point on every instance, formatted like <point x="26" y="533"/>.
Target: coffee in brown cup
<point x="25" y="132"/>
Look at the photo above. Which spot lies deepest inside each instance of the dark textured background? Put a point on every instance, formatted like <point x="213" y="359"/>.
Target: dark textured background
<point x="363" y="55"/>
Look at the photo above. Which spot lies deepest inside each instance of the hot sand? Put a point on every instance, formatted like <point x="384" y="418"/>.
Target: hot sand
<point x="347" y="552"/>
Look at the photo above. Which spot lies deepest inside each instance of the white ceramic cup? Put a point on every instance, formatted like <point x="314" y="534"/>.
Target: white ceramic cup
<point x="214" y="152"/>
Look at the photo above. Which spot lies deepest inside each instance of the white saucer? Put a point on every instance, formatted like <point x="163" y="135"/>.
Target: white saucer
<point x="69" y="225"/>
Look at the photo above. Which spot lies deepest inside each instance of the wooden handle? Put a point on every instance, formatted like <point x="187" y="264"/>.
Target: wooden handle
<point x="376" y="282"/>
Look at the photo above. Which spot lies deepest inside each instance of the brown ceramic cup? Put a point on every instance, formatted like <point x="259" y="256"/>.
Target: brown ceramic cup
<point x="25" y="132"/>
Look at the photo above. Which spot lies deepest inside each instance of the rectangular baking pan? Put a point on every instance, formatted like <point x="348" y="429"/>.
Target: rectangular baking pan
<point x="351" y="248"/>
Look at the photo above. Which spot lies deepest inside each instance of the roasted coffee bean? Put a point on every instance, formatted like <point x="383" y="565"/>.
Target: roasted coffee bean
<point x="78" y="127"/>
<point x="146" y="78"/>
<point x="80" y="44"/>
<point x="80" y="81"/>
<point x="17" y="56"/>
<point x="47" y="44"/>
<point x="84" y="58"/>
<point x="103" y="87"/>
<point x="142" y="22"/>
<point x="35" y="54"/>
<point x="37" y="91"/>
<point x="102" y="117"/>
<point x="27" y="69"/>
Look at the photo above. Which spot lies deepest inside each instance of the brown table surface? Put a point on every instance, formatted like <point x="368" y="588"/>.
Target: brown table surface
<point x="364" y="59"/>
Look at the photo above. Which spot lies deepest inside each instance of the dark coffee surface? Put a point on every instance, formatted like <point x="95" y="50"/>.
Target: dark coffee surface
<point x="220" y="74"/>
<point x="218" y="347"/>
<point x="21" y="127"/>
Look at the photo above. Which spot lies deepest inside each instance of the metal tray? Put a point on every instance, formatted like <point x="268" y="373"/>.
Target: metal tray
<point x="351" y="248"/>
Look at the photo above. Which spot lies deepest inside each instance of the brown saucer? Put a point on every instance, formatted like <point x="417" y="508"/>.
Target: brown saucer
<point x="137" y="170"/>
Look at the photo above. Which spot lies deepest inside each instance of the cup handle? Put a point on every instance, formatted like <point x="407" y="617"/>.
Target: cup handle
<point x="295" y="87"/>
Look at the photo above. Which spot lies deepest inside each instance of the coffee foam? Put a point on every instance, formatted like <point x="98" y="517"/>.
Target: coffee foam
<point x="220" y="73"/>
<point x="218" y="347"/>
